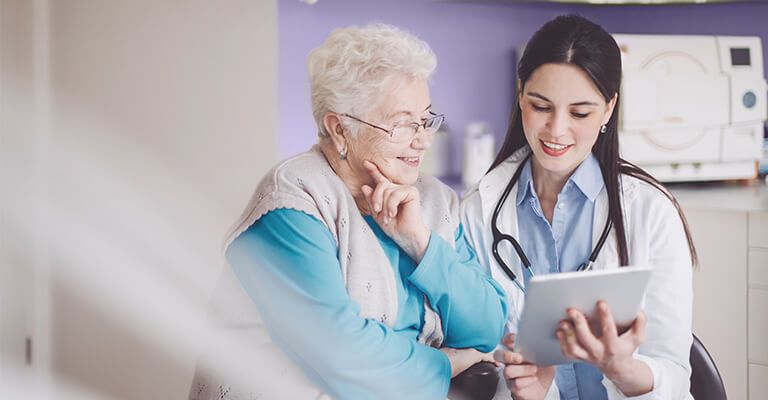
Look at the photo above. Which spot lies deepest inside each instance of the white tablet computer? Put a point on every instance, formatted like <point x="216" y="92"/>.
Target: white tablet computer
<point x="549" y="296"/>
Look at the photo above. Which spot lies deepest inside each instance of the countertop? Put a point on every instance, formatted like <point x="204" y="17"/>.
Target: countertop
<point x="749" y="195"/>
<point x="729" y="195"/>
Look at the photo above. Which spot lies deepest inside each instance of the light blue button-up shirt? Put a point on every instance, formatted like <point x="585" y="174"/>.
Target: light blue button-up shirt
<point x="560" y="247"/>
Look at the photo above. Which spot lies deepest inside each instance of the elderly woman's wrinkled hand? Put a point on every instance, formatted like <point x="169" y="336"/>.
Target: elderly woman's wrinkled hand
<point x="397" y="210"/>
<point x="462" y="359"/>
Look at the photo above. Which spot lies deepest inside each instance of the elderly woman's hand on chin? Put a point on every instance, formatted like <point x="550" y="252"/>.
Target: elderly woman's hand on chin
<point x="397" y="210"/>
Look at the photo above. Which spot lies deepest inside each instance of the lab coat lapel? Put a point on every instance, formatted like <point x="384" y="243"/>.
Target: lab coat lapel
<point x="608" y="257"/>
<point x="490" y="187"/>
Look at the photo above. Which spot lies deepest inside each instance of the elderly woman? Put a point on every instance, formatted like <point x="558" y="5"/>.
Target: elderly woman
<point x="357" y="266"/>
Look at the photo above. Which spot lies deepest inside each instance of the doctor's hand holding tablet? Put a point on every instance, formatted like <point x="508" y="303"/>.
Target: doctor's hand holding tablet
<point x="574" y="326"/>
<point x="611" y="353"/>
<point x="580" y="239"/>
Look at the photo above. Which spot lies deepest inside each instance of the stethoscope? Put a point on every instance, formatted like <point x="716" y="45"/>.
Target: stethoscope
<point x="499" y="237"/>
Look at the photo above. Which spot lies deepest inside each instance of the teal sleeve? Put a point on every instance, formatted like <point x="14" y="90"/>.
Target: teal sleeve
<point x="472" y="306"/>
<point x="287" y="262"/>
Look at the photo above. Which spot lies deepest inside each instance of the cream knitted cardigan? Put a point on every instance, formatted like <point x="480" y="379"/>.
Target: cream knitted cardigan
<point x="307" y="183"/>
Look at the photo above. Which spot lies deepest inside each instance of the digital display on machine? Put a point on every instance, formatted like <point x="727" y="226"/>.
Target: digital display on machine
<point x="740" y="56"/>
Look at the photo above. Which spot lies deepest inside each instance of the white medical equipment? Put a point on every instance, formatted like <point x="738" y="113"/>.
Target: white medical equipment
<point x="692" y="107"/>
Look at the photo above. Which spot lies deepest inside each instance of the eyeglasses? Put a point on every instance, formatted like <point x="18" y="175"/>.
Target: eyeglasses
<point x="406" y="132"/>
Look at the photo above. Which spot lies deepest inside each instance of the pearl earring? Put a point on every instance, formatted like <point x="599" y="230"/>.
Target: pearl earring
<point x="603" y="128"/>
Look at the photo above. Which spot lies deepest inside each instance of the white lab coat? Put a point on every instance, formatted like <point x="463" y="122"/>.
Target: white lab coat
<point x="655" y="238"/>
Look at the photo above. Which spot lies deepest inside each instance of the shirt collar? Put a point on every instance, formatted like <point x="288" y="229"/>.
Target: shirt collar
<point x="587" y="177"/>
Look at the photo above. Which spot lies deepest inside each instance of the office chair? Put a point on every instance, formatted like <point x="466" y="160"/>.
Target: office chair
<point x="479" y="381"/>
<point x="706" y="383"/>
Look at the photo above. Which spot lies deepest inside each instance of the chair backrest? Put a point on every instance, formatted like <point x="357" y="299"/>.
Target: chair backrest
<point x="706" y="383"/>
<point x="476" y="383"/>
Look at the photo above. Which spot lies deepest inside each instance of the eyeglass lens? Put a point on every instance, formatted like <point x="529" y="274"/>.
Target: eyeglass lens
<point x="407" y="132"/>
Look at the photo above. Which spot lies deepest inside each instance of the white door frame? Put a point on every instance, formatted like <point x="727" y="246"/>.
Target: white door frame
<point x="24" y="104"/>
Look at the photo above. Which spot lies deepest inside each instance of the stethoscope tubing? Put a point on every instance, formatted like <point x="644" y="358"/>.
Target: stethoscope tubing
<point x="498" y="236"/>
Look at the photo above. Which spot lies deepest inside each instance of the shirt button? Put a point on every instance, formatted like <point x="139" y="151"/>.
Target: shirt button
<point x="559" y="206"/>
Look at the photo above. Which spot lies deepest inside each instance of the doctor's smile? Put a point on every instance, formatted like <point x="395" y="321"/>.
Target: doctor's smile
<point x="554" y="149"/>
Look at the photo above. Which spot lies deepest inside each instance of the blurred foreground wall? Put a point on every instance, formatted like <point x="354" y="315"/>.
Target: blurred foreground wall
<point x="131" y="134"/>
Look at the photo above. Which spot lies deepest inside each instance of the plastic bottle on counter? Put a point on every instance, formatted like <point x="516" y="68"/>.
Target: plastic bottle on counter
<point x="479" y="151"/>
<point x="436" y="159"/>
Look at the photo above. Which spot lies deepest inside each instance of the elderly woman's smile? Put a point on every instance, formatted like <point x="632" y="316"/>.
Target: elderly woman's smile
<point x="411" y="161"/>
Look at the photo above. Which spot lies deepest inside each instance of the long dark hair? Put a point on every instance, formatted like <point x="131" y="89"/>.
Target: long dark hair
<point x="574" y="40"/>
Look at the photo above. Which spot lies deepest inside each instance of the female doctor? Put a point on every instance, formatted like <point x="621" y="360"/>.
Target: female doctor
<point x="560" y="194"/>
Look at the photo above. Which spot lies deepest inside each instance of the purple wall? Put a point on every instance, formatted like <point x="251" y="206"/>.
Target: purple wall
<point x="475" y="44"/>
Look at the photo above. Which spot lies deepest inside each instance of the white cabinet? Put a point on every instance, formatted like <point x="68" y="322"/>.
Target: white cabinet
<point x="720" y="292"/>
<point x="729" y="225"/>
<point x="758" y="381"/>
<point x="758" y="305"/>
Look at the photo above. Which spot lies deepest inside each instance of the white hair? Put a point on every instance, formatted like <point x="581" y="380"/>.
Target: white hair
<point x="351" y="71"/>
